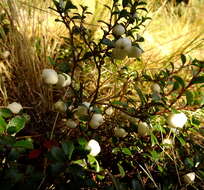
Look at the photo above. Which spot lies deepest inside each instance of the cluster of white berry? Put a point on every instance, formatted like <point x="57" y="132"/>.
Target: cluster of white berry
<point x="123" y="46"/>
<point x="51" y="77"/>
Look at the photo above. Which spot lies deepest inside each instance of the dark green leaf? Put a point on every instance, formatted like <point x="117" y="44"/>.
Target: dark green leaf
<point x="57" y="154"/>
<point x="183" y="58"/>
<point x="4" y="112"/>
<point x="27" y="144"/>
<point x="3" y="125"/>
<point x="107" y="42"/>
<point x="124" y="104"/>
<point x="179" y="80"/>
<point x="68" y="148"/>
<point x="124" y="13"/>
<point x="198" y="80"/>
<point x="56" y="168"/>
<point x="189" y="97"/>
<point x="69" y="5"/>
<point x="136" y="185"/>
<point x="125" y="3"/>
<point x="87" y="55"/>
<point x="141" y="95"/>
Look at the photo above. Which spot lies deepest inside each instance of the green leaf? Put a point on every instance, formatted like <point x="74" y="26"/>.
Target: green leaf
<point x="69" y="5"/>
<point x="183" y="58"/>
<point x="125" y="3"/>
<point x="6" y="113"/>
<point x="27" y="144"/>
<point x="107" y="42"/>
<point x="124" y="13"/>
<point x="126" y="151"/>
<point x="57" y="154"/>
<point x="3" y="125"/>
<point x="189" y="97"/>
<point x="121" y="170"/>
<point x="124" y="104"/>
<point x="68" y="148"/>
<point x="16" y="124"/>
<point x="198" y="80"/>
<point x="155" y="155"/>
<point x="93" y="162"/>
<point x="179" y="80"/>
<point x="154" y="140"/>
<point x="141" y="95"/>
<point x="181" y="140"/>
<point x="136" y="185"/>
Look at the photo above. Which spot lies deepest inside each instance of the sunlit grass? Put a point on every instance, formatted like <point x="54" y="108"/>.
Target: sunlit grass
<point x="35" y="36"/>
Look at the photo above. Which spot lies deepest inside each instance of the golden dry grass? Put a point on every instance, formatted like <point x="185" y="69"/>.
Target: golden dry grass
<point x="173" y="30"/>
<point x="35" y="35"/>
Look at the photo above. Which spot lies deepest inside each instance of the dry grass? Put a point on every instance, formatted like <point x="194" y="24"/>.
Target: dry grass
<point x="173" y="30"/>
<point x="35" y="35"/>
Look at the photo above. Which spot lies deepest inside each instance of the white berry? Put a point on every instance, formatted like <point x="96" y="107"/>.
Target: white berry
<point x="71" y="123"/>
<point x="96" y="121"/>
<point x="60" y="106"/>
<point x="177" y="120"/>
<point x="15" y="107"/>
<point x="94" y="147"/>
<point x="118" y="54"/>
<point x="143" y="129"/>
<point x="134" y="52"/>
<point x="109" y="111"/>
<point x="120" y="132"/>
<point x="155" y="88"/>
<point x="118" y="30"/>
<point x="123" y="44"/>
<point x="49" y="76"/>
<point x="189" y="177"/>
<point x="63" y="80"/>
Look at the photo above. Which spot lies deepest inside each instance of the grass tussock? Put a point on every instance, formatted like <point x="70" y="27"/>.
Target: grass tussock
<point x="34" y="36"/>
<point x="173" y="30"/>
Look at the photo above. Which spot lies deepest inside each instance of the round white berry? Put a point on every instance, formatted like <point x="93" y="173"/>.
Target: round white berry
<point x="63" y="80"/>
<point x="124" y="44"/>
<point x="120" y="132"/>
<point x="109" y="111"/>
<point x="118" y="54"/>
<point x="94" y="147"/>
<point x="49" y="76"/>
<point x="177" y="120"/>
<point x="189" y="177"/>
<point x="60" y="106"/>
<point x="88" y="104"/>
<point x="81" y="111"/>
<point x="71" y="123"/>
<point x="118" y="30"/>
<point x="155" y="88"/>
<point x="15" y="107"/>
<point x="143" y="129"/>
<point x="96" y="121"/>
<point x="135" y="52"/>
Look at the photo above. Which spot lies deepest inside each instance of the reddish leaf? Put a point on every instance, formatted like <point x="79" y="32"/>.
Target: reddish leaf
<point x="34" y="154"/>
<point x="49" y="144"/>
